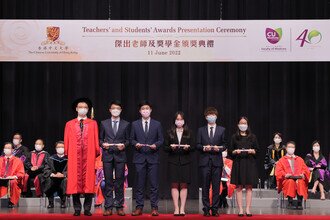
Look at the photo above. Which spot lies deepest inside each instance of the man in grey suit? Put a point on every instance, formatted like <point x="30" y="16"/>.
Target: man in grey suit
<point x="114" y="138"/>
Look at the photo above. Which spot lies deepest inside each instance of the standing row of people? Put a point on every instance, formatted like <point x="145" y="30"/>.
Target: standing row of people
<point x="72" y="168"/>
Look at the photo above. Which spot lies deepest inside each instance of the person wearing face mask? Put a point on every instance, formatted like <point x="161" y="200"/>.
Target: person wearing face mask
<point x="292" y="176"/>
<point x="35" y="164"/>
<point x="12" y="170"/>
<point x="55" y="175"/>
<point x="20" y="151"/>
<point x="274" y="152"/>
<point x="81" y="145"/>
<point x="146" y="138"/>
<point x="114" y="139"/>
<point x="179" y="144"/>
<point x="244" y="148"/>
<point x="210" y="143"/>
<point x="317" y="164"/>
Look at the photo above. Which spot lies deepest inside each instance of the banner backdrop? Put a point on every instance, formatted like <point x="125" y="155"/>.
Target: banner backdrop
<point x="160" y="40"/>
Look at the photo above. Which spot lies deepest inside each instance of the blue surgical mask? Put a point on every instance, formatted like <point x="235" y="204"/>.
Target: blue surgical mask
<point x="211" y="119"/>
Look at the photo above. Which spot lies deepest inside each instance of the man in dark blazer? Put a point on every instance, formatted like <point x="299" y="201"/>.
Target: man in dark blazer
<point x="210" y="143"/>
<point x="147" y="138"/>
<point x="114" y="138"/>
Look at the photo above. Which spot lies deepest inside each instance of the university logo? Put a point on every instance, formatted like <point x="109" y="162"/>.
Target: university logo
<point x="310" y="37"/>
<point x="273" y="35"/>
<point x="53" y="33"/>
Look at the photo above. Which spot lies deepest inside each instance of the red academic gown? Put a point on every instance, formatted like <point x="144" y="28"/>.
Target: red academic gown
<point x="16" y="168"/>
<point x="99" y="198"/>
<point x="231" y="187"/>
<point x="291" y="187"/>
<point x="81" y="149"/>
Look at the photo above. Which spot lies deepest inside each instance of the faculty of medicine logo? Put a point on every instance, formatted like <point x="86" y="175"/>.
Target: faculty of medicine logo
<point x="273" y="35"/>
<point x="310" y="37"/>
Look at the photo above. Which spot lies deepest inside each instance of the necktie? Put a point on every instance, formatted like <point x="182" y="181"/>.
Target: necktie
<point x="7" y="168"/>
<point x="211" y="133"/>
<point x="146" y="127"/>
<point x="115" y="127"/>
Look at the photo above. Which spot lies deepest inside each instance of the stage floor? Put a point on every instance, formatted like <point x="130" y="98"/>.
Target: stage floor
<point x="166" y="212"/>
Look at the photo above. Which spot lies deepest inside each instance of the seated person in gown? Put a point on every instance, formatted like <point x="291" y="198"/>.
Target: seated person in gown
<point x="34" y="166"/>
<point x="11" y="175"/>
<point x="292" y="176"/>
<point x="55" y="173"/>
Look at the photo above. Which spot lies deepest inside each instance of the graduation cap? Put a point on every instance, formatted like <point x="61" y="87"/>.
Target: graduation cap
<point x="84" y="100"/>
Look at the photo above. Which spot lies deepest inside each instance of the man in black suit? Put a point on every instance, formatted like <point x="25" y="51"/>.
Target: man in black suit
<point x="211" y="143"/>
<point x="147" y="138"/>
<point x="114" y="138"/>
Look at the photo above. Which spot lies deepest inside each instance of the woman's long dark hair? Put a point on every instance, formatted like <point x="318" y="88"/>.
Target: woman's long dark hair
<point x="280" y="135"/>
<point x="320" y="152"/>
<point x="186" y="132"/>
<point x="248" y="131"/>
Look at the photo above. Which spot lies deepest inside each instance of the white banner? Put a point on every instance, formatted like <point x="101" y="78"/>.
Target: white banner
<point x="168" y="41"/>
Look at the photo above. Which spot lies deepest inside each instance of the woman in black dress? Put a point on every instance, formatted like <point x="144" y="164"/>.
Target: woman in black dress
<point x="179" y="144"/>
<point x="243" y="149"/>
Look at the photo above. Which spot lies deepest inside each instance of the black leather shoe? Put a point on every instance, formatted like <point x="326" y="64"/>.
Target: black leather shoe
<point x="215" y="213"/>
<point x="76" y="213"/>
<point x="10" y="205"/>
<point x="50" y="206"/>
<point x="206" y="214"/>
<point x="249" y="215"/>
<point x="87" y="213"/>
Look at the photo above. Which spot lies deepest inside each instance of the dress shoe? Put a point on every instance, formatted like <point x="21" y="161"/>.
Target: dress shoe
<point x="87" y="213"/>
<point x="215" y="213"/>
<point x="76" y="213"/>
<point x="206" y="213"/>
<point x="137" y="212"/>
<point x="120" y="212"/>
<point x="107" y="212"/>
<point x="154" y="212"/>
<point x="10" y="205"/>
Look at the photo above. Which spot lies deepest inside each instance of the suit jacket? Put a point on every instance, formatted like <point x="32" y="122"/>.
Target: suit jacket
<point x="179" y="156"/>
<point x="107" y="135"/>
<point x="154" y="136"/>
<point x="204" y="139"/>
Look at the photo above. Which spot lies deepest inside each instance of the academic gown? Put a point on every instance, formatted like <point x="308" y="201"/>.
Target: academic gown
<point x="16" y="168"/>
<point x="38" y="159"/>
<point x="81" y="148"/>
<point x="228" y="164"/>
<point x="291" y="187"/>
<point x="55" y="164"/>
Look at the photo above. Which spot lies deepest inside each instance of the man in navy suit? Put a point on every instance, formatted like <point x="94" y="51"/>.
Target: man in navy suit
<point x="146" y="137"/>
<point x="114" y="138"/>
<point x="211" y="143"/>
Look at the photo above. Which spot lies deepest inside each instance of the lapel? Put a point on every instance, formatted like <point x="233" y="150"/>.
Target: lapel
<point x="176" y="139"/>
<point x="112" y="134"/>
<point x="141" y="127"/>
<point x="120" y="126"/>
<point x="207" y="133"/>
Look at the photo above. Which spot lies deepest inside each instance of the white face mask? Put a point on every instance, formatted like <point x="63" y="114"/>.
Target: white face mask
<point x="277" y="140"/>
<point x="115" y="112"/>
<point x="82" y="111"/>
<point x="16" y="141"/>
<point x="179" y="123"/>
<point x="60" y="150"/>
<point x="38" y="147"/>
<point x="211" y="119"/>
<point x="224" y="154"/>
<point x="242" y="127"/>
<point x="290" y="151"/>
<point x="145" y="113"/>
<point x="7" y="152"/>
<point x="316" y="148"/>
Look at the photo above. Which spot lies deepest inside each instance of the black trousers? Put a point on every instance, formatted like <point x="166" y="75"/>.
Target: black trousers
<point x="210" y="174"/>
<point x="117" y="185"/>
<point x="87" y="203"/>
